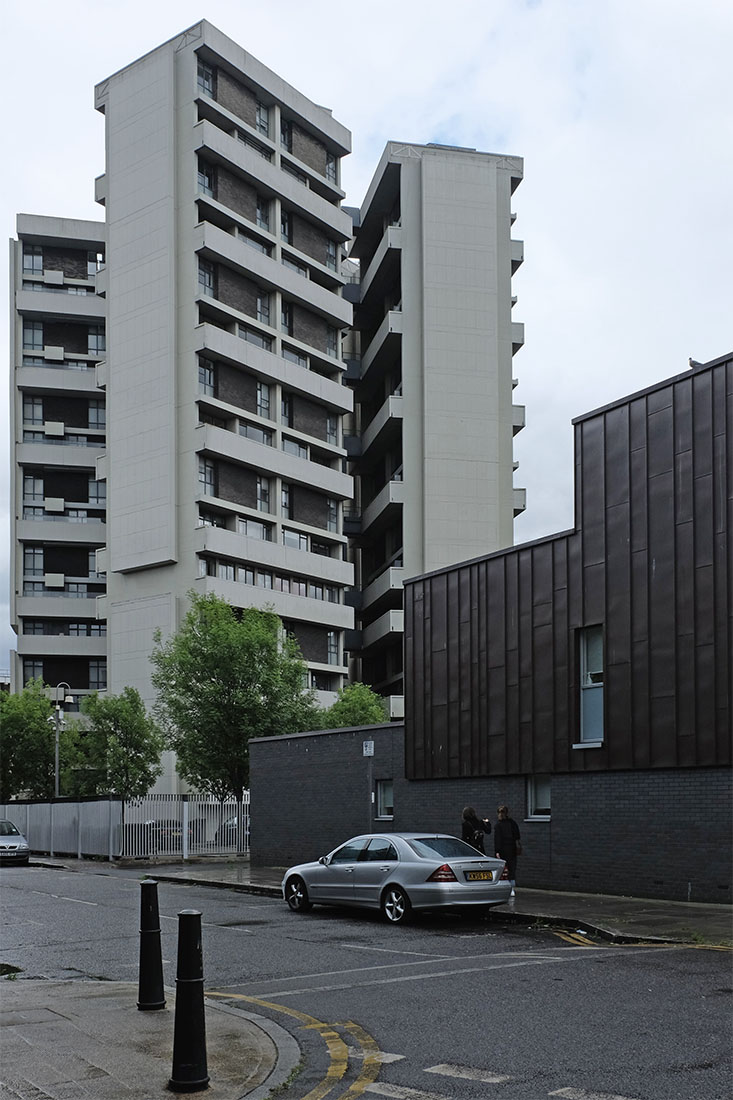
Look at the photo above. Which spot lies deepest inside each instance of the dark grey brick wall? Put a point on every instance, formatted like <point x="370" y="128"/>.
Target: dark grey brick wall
<point x="237" y="290"/>
<point x="236" y="387"/>
<point x="235" y="97"/>
<point x="233" y="192"/>
<point x="662" y="834"/>
<point x="309" y="507"/>
<point x="71" y="261"/>
<point x="73" y="411"/>
<point x="309" y="328"/>
<point x="309" y="239"/>
<point x="309" y="417"/>
<point x="73" y="338"/>
<point x="309" y="149"/>
<point x="312" y="640"/>
<point x="237" y="484"/>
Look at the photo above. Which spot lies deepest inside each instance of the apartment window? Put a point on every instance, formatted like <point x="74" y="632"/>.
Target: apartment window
<point x="32" y="409"/>
<point x="263" y="400"/>
<point x="332" y="514"/>
<point x="296" y="540"/>
<point x="97" y="416"/>
<point x="286" y="134"/>
<point x="296" y="174"/>
<point x="322" y="548"/>
<point x="385" y="798"/>
<point x="591" y="685"/>
<point x="332" y="594"/>
<point x="263" y="308"/>
<point x="538" y="796"/>
<point x="332" y="341"/>
<point x="252" y="336"/>
<point x="95" y="342"/>
<point x="33" y="561"/>
<point x="98" y="675"/>
<point x="95" y="260"/>
<point x="262" y="213"/>
<point x="206" y="278"/>
<point x="205" y="79"/>
<point x="211" y="519"/>
<point x="32" y="487"/>
<point x="254" y="243"/>
<point x="262" y="118"/>
<point x="296" y="357"/>
<point x="286" y="226"/>
<point x="207" y="476"/>
<point x="32" y="670"/>
<point x="259" y="148"/>
<point x="286" y="409"/>
<point x="254" y="529"/>
<point x="321" y="681"/>
<point x="285" y="501"/>
<point x="331" y="166"/>
<point x="331" y="255"/>
<point x="92" y="565"/>
<point x="257" y="435"/>
<point x="97" y="491"/>
<point x="264" y="579"/>
<point x="263" y="494"/>
<point x="206" y="179"/>
<point x="286" y="318"/>
<point x="32" y="259"/>
<point x="207" y="377"/>
<point x="226" y="571"/>
<point x="332" y="645"/>
<point x="332" y="429"/>
<point x="33" y="335"/>
<point x="246" y="575"/>
<point x="293" y="447"/>
<point x="292" y="265"/>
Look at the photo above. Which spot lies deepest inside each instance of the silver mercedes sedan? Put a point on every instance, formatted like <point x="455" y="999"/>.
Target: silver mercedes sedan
<point x="398" y="873"/>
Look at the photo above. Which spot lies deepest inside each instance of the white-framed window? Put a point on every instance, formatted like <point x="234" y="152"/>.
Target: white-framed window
<point x="263" y="494"/>
<point x="205" y="79"/>
<point x="332" y="514"/>
<point x="96" y="344"/>
<point x="32" y="259"/>
<point x="385" y="798"/>
<point x="254" y="529"/>
<point x="207" y="377"/>
<point x="296" y="357"/>
<point x="294" y="447"/>
<point x="539" y="796"/>
<point x="591" y="685"/>
<point x="332" y="341"/>
<point x="262" y="213"/>
<point x="263" y="308"/>
<point x="98" y="675"/>
<point x="262" y="118"/>
<point x="206" y="179"/>
<point x="332" y="648"/>
<point x="331" y="166"/>
<point x="206" y="278"/>
<point x="263" y="400"/>
<point x="207" y="476"/>
<point x="96" y="416"/>
<point x="296" y="540"/>
<point x="32" y="409"/>
<point x="256" y="434"/>
<point x="33" y="335"/>
<point x="253" y="336"/>
<point x="264" y="579"/>
<point x="331" y="254"/>
<point x="33" y="561"/>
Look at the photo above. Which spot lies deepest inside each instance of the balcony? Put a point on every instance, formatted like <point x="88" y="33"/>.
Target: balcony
<point x="335" y="615"/>
<point x="389" y="416"/>
<point x="518" y="418"/>
<point x="520" y="501"/>
<point x="388" y="500"/>
<point x="387" y="583"/>
<point x="517" y="336"/>
<point x="392" y="622"/>
<point x="48" y="305"/>
<point x="385" y="264"/>
<point x="387" y="338"/>
<point x="517" y="255"/>
<point x="272" y="555"/>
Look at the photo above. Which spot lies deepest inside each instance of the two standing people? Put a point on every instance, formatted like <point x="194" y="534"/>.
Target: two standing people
<point x="474" y="829"/>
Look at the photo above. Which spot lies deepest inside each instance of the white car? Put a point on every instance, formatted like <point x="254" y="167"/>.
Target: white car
<point x="13" y="845"/>
<point x="399" y="872"/>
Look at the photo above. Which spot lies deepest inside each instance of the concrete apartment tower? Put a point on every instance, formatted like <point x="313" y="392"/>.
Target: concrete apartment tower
<point x="182" y="375"/>
<point x="431" y="448"/>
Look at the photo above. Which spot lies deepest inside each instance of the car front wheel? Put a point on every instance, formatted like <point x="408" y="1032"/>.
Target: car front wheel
<point x="396" y="905"/>
<point x="296" y="894"/>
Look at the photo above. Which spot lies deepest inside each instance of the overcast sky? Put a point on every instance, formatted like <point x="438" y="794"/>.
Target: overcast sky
<point x="621" y="109"/>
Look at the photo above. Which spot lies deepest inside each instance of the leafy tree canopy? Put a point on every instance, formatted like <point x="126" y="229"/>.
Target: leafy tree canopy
<point x="221" y="679"/>
<point x="121" y="744"/>
<point x="356" y="705"/>
<point x="26" y="743"/>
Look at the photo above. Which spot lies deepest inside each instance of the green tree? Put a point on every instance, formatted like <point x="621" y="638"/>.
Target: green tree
<point x="356" y="705"/>
<point x="222" y="679"/>
<point x="26" y="743"/>
<point x="119" y="748"/>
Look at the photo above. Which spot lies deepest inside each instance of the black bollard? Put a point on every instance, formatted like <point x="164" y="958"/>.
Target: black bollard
<point x="150" y="985"/>
<point x="189" y="1031"/>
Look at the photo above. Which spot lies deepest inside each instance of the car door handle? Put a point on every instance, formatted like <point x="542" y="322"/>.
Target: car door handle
<point x="385" y="868"/>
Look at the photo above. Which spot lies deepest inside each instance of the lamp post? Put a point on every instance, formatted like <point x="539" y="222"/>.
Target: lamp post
<point x="68" y="698"/>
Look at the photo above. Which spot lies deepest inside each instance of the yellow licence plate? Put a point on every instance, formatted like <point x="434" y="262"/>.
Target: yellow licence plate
<point x="479" y="876"/>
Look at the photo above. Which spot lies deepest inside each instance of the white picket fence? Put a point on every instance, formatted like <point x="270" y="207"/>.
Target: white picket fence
<point x="156" y="827"/>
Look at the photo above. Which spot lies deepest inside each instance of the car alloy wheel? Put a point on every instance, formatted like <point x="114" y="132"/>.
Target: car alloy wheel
<point x="296" y="894"/>
<point x="395" y="905"/>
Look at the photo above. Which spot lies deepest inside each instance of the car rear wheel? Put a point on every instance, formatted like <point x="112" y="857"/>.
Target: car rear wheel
<point x="296" y="894"/>
<point x="396" y="905"/>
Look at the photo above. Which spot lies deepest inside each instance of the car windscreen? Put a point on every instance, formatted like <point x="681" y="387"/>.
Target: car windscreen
<point x="448" y="847"/>
<point x="8" y="829"/>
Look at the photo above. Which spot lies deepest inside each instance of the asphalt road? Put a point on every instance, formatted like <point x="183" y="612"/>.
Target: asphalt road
<point x="458" y="1009"/>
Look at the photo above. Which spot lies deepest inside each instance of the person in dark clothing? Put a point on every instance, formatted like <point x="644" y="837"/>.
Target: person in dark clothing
<point x="507" y="844"/>
<point x="474" y="828"/>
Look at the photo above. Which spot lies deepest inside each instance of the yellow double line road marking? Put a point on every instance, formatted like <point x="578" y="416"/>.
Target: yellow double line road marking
<point x="576" y="939"/>
<point x="337" y="1049"/>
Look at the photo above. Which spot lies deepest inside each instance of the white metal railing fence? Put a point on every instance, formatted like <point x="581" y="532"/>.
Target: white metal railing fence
<point x="154" y="827"/>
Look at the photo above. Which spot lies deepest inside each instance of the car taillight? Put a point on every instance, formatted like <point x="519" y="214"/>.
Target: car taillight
<point x="443" y="874"/>
<point x="505" y="872"/>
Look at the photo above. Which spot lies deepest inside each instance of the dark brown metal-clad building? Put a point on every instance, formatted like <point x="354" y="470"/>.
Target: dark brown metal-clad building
<point x="607" y="647"/>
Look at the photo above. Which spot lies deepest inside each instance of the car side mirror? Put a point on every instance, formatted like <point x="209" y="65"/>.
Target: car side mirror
<point x="324" y="861"/>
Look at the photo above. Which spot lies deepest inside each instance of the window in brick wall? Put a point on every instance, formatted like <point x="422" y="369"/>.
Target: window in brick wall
<point x="32" y="259"/>
<point x="385" y="798"/>
<point x="262" y="120"/>
<point x="205" y="79"/>
<point x="538" y="796"/>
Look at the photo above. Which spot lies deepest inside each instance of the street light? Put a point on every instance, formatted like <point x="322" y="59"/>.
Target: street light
<point x="68" y="698"/>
